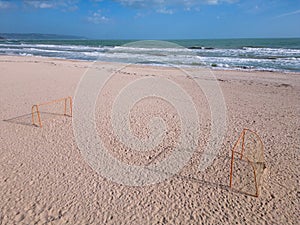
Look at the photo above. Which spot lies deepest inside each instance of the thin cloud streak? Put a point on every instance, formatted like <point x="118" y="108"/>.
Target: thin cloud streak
<point x="289" y="14"/>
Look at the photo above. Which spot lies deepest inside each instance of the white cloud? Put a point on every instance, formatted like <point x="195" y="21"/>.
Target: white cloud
<point x="165" y="11"/>
<point x="290" y="13"/>
<point x="144" y="3"/>
<point x="51" y="4"/>
<point x="163" y="6"/>
<point x="41" y="4"/>
<point x="5" y="5"/>
<point x="97" y="18"/>
<point x="159" y="6"/>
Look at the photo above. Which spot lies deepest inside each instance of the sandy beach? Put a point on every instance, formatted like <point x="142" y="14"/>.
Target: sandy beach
<point x="44" y="178"/>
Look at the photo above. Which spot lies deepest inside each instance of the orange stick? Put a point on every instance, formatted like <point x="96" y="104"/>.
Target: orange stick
<point x="50" y="102"/>
<point x="39" y="116"/>
<point x="243" y="143"/>
<point x="65" y="107"/>
<point x="231" y="168"/>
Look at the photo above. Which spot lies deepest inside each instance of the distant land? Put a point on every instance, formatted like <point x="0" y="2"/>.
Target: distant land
<point x="36" y="36"/>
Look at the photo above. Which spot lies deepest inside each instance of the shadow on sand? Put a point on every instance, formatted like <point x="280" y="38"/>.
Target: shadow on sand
<point x="26" y="119"/>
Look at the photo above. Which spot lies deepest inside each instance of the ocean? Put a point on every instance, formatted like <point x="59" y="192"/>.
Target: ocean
<point x="238" y="54"/>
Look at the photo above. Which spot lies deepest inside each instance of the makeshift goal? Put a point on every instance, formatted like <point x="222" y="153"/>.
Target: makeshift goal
<point x="247" y="163"/>
<point x="35" y="110"/>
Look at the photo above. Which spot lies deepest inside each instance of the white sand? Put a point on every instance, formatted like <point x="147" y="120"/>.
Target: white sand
<point x="45" y="179"/>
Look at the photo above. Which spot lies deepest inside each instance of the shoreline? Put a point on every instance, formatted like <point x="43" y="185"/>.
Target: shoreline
<point x="156" y="65"/>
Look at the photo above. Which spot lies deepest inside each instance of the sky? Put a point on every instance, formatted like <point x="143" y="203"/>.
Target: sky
<point x="153" y="19"/>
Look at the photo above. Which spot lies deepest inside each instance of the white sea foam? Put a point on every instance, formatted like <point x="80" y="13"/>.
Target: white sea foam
<point x="245" y="58"/>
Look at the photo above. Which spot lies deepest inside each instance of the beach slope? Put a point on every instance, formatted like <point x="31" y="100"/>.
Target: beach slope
<point x="44" y="178"/>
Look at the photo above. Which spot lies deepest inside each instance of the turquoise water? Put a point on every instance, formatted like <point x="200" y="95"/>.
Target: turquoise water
<point x="240" y="54"/>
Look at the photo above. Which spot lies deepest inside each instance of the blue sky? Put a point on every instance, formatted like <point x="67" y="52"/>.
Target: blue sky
<point x="153" y="19"/>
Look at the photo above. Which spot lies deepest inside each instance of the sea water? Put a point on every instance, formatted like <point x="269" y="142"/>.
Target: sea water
<point x="239" y="54"/>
